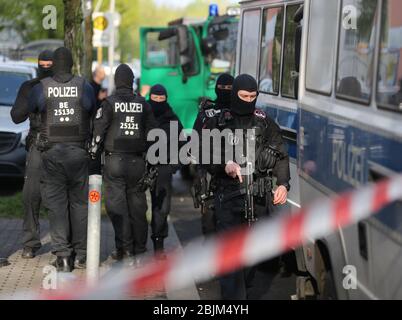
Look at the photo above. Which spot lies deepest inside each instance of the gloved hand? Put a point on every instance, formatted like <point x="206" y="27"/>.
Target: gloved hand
<point x="94" y="147"/>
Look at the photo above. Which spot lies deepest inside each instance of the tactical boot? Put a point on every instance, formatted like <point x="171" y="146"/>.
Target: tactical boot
<point x="28" y="253"/>
<point x="63" y="264"/>
<point x="80" y="263"/>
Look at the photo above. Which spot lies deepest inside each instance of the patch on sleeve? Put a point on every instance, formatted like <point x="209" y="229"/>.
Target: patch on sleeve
<point x="99" y="113"/>
<point x="260" y="114"/>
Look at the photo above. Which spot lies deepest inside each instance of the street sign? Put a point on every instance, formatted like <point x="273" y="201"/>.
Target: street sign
<point x="103" y="25"/>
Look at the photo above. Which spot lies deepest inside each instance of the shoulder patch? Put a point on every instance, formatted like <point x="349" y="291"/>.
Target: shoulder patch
<point x="260" y="114"/>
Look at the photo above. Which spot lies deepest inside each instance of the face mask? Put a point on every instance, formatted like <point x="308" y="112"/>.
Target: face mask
<point x="239" y="106"/>
<point x="44" y="72"/>
<point x="46" y="55"/>
<point x="223" y="96"/>
<point x="158" y="108"/>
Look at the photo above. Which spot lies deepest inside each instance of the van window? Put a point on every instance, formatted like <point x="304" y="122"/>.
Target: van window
<point x="271" y="50"/>
<point x="321" y="45"/>
<point x="389" y="88"/>
<point x="356" y="50"/>
<point x="249" y="42"/>
<point x="290" y="75"/>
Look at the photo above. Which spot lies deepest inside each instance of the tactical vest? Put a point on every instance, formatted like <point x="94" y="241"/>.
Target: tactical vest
<point x="65" y="119"/>
<point x="126" y="133"/>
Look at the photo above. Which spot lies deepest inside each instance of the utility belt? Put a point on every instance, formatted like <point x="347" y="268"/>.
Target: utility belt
<point x="261" y="188"/>
<point x="44" y="145"/>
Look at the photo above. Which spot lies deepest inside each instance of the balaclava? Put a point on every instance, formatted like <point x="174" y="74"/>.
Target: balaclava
<point x="223" y="96"/>
<point x="158" y="108"/>
<point x="62" y="64"/>
<point x="46" y="55"/>
<point x="124" y="77"/>
<point x="238" y="106"/>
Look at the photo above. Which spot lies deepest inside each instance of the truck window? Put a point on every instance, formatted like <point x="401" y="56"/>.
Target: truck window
<point x="161" y="53"/>
<point x="289" y="76"/>
<point x="356" y="50"/>
<point x="321" y="45"/>
<point x="271" y="50"/>
<point x="249" y="42"/>
<point x="389" y="86"/>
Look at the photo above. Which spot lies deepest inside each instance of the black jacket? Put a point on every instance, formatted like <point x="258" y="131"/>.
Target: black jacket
<point x="20" y="110"/>
<point x="271" y="136"/>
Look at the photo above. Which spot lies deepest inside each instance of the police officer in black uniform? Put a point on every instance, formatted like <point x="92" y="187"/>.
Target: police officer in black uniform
<point x="65" y="103"/>
<point x="161" y="194"/>
<point x="31" y="192"/>
<point x="120" y="128"/>
<point x="202" y="184"/>
<point x="270" y="157"/>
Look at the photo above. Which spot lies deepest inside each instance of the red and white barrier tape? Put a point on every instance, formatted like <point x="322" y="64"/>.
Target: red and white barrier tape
<point x="201" y="260"/>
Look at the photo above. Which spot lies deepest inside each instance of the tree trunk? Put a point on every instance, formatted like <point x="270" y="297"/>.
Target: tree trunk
<point x="73" y="35"/>
<point x="88" y="44"/>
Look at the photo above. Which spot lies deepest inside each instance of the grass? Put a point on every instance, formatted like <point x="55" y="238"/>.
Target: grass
<point x="12" y="207"/>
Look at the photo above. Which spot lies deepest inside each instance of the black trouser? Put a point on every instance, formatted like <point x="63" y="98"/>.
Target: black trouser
<point x="65" y="194"/>
<point x="31" y="198"/>
<point x="229" y="213"/>
<point x="125" y="205"/>
<point x="161" y="197"/>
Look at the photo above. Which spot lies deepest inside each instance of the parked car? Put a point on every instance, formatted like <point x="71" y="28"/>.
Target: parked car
<point x="12" y="136"/>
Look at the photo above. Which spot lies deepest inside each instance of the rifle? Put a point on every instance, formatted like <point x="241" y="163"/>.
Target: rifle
<point x="249" y="209"/>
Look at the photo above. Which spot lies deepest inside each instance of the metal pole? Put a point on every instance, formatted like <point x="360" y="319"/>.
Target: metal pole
<point x="94" y="228"/>
<point x="100" y="55"/>
<point x="111" y="49"/>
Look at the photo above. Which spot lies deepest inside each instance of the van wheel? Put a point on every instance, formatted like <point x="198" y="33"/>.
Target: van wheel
<point x="325" y="279"/>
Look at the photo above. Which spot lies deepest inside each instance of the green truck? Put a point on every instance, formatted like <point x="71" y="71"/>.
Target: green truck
<point x="187" y="57"/>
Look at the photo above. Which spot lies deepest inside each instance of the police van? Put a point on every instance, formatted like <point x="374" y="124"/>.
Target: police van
<point x="330" y="74"/>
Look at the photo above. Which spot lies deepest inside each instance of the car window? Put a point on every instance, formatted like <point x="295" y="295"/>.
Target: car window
<point x="10" y="83"/>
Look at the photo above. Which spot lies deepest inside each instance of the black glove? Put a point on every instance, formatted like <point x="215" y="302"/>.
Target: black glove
<point x="94" y="147"/>
<point x="149" y="179"/>
<point x="267" y="158"/>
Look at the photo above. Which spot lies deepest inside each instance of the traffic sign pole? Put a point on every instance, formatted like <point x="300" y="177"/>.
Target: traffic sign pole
<point x="111" y="49"/>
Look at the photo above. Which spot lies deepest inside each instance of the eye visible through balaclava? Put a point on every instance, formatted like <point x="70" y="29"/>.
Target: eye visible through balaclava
<point x="46" y="55"/>
<point x="239" y="106"/>
<point x="223" y="95"/>
<point x="158" y="108"/>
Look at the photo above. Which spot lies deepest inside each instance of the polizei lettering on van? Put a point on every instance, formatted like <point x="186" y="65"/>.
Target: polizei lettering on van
<point x="62" y="92"/>
<point x="128" y="107"/>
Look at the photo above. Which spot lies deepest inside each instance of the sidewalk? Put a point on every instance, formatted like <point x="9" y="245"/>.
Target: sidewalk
<point x="24" y="274"/>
